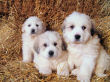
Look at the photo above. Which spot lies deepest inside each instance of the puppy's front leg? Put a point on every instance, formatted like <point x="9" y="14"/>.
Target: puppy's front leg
<point x="71" y="63"/>
<point x="27" y="54"/>
<point x="103" y="63"/>
<point x="63" y="69"/>
<point x="75" y="72"/>
<point x="86" y="69"/>
<point x="45" y="70"/>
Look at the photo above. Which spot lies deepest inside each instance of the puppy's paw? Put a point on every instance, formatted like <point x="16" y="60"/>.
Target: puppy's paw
<point x="63" y="69"/>
<point x="71" y="67"/>
<point x="75" y="72"/>
<point x="45" y="71"/>
<point x="36" y="65"/>
<point x="63" y="73"/>
<point x="101" y="75"/>
<point x="83" y="77"/>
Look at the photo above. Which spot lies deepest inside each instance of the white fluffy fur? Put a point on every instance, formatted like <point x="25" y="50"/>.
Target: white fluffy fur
<point x="43" y="62"/>
<point x="85" y="52"/>
<point x="28" y="37"/>
<point x="103" y="63"/>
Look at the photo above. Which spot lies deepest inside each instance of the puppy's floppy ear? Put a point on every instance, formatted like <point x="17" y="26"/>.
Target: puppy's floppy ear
<point x="23" y="30"/>
<point x="64" y="45"/>
<point x="36" y="46"/>
<point x="92" y="30"/>
<point x="63" y="26"/>
<point x="60" y="38"/>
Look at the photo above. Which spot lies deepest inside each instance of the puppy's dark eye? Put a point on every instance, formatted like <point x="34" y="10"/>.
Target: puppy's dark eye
<point x="29" y="25"/>
<point x="72" y="26"/>
<point x="45" y="45"/>
<point x="83" y="27"/>
<point x="37" y="25"/>
<point x="55" y="44"/>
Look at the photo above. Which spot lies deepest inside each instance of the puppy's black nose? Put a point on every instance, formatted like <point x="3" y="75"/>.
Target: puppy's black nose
<point x="51" y="53"/>
<point x="33" y="31"/>
<point x="77" y="37"/>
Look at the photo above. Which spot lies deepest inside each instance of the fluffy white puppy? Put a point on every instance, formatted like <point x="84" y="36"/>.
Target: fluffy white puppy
<point x="32" y="27"/>
<point x="83" y="47"/>
<point x="49" y="55"/>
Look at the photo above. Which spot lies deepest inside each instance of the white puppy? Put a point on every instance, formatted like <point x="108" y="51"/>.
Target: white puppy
<point x="32" y="27"/>
<point x="83" y="47"/>
<point x="49" y="55"/>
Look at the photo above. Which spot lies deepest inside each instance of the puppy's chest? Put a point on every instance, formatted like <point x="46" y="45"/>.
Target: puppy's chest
<point x="54" y="64"/>
<point x="76" y="50"/>
<point x="28" y="41"/>
<point x="83" y="50"/>
<point x="76" y="54"/>
<point x="63" y="58"/>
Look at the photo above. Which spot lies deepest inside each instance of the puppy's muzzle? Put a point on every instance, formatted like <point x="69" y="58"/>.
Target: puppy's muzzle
<point x="77" y="37"/>
<point x="51" y="53"/>
<point x="33" y="31"/>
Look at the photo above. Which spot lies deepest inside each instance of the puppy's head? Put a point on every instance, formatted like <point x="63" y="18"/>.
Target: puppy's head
<point x="77" y="28"/>
<point x="33" y="25"/>
<point x="48" y="45"/>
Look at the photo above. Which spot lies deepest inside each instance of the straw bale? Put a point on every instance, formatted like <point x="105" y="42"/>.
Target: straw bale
<point x="53" y="12"/>
<point x="103" y="29"/>
<point x="105" y="8"/>
<point x="18" y="71"/>
<point x="23" y="8"/>
<point x="10" y="42"/>
<point x="5" y="7"/>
